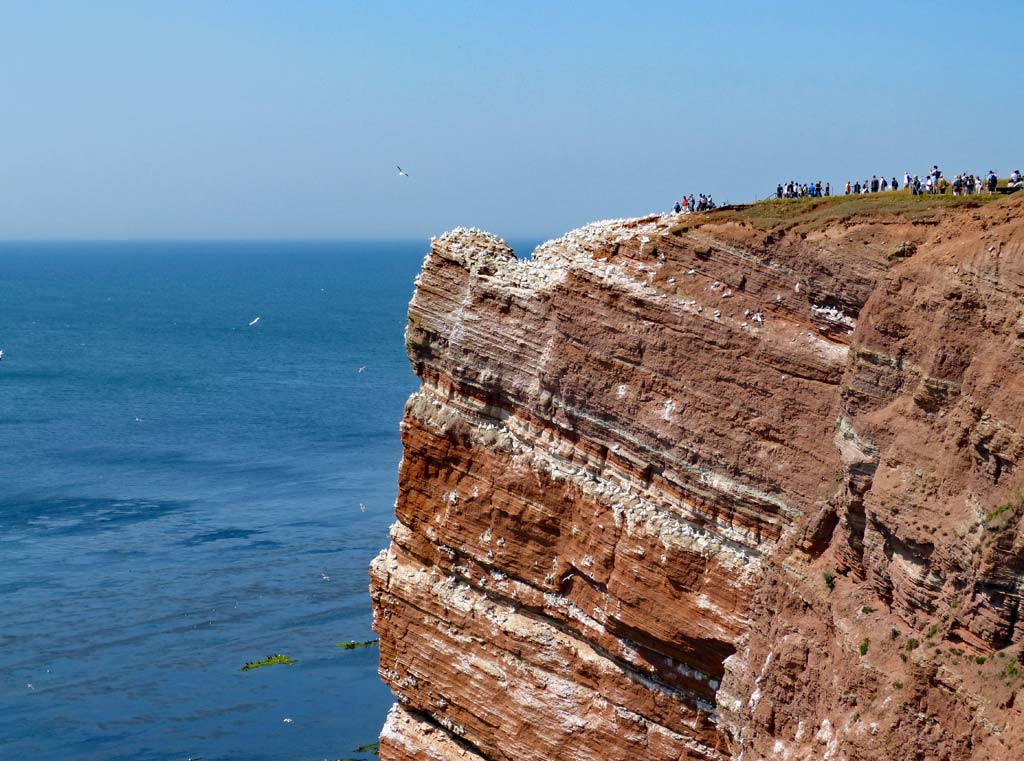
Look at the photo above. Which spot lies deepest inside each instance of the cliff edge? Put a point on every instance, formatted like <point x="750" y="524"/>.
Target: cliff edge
<point x="741" y="484"/>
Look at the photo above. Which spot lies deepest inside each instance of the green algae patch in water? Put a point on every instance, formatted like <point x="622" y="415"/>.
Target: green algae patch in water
<point x="269" y="661"/>
<point x="373" y="748"/>
<point x="354" y="645"/>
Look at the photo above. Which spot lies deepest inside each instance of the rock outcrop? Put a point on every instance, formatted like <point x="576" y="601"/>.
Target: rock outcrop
<point x="731" y="485"/>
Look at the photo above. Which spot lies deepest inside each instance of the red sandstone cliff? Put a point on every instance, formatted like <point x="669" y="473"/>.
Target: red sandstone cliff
<point x="636" y="458"/>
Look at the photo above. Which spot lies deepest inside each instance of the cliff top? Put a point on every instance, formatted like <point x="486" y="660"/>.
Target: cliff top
<point x="815" y="213"/>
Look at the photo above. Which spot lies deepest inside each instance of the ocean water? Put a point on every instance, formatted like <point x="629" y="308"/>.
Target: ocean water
<point x="181" y="493"/>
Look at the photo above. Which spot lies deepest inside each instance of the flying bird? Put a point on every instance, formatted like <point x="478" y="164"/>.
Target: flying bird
<point x="1" y="354"/>
<point x="401" y="173"/>
<point x="254" y="321"/>
<point x="359" y="370"/>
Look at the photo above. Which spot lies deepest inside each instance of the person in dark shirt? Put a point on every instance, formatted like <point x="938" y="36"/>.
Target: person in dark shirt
<point x="856" y="188"/>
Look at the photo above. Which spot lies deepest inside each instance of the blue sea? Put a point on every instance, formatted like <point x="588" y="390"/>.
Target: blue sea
<point x="182" y="492"/>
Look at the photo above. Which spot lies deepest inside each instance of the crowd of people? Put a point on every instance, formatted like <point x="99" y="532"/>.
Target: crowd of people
<point x="689" y="203"/>
<point x="794" y="189"/>
<point x="874" y="185"/>
<point x="933" y="183"/>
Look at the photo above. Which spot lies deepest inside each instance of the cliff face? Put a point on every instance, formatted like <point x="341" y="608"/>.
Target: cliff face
<point x="690" y="487"/>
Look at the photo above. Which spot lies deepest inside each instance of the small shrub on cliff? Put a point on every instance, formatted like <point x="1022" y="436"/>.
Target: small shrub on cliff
<point x="830" y="580"/>
<point x="867" y="610"/>
<point x="903" y="251"/>
<point x="1011" y="671"/>
<point x="980" y="659"/>
<point x="894" y="634"/>
<point x="932" y="630"/>
<point x="1002" y="514"/>
<point x="897" y="685"/>
<point x="864" y="646"/>
<point x="912" y="644"/>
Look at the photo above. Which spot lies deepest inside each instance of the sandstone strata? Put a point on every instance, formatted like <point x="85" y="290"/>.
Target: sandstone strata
<point x="636" y="457"/>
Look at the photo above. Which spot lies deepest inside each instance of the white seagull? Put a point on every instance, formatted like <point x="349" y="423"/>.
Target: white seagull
<point x="1" y="354"/>
<point x="254" y="321"/>
<point x="359" y="370"/>
<point x="401" y="173"/>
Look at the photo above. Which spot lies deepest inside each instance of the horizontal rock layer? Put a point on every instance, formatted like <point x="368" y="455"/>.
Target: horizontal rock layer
<point x="636" y="458"/>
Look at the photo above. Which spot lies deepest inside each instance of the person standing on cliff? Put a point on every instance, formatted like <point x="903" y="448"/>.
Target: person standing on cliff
<point x="895" y="185"/>
<point x="828" y="190"/>
<point x="848" y="186"/>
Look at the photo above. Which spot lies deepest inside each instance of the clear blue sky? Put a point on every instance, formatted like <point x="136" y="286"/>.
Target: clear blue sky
<point x="283" y="119"/>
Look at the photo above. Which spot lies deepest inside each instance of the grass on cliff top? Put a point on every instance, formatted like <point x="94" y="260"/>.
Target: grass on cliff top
<point x="783" y="214"/>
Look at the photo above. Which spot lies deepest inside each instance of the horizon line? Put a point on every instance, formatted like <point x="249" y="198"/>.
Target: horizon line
<point x="5" y="241"/>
